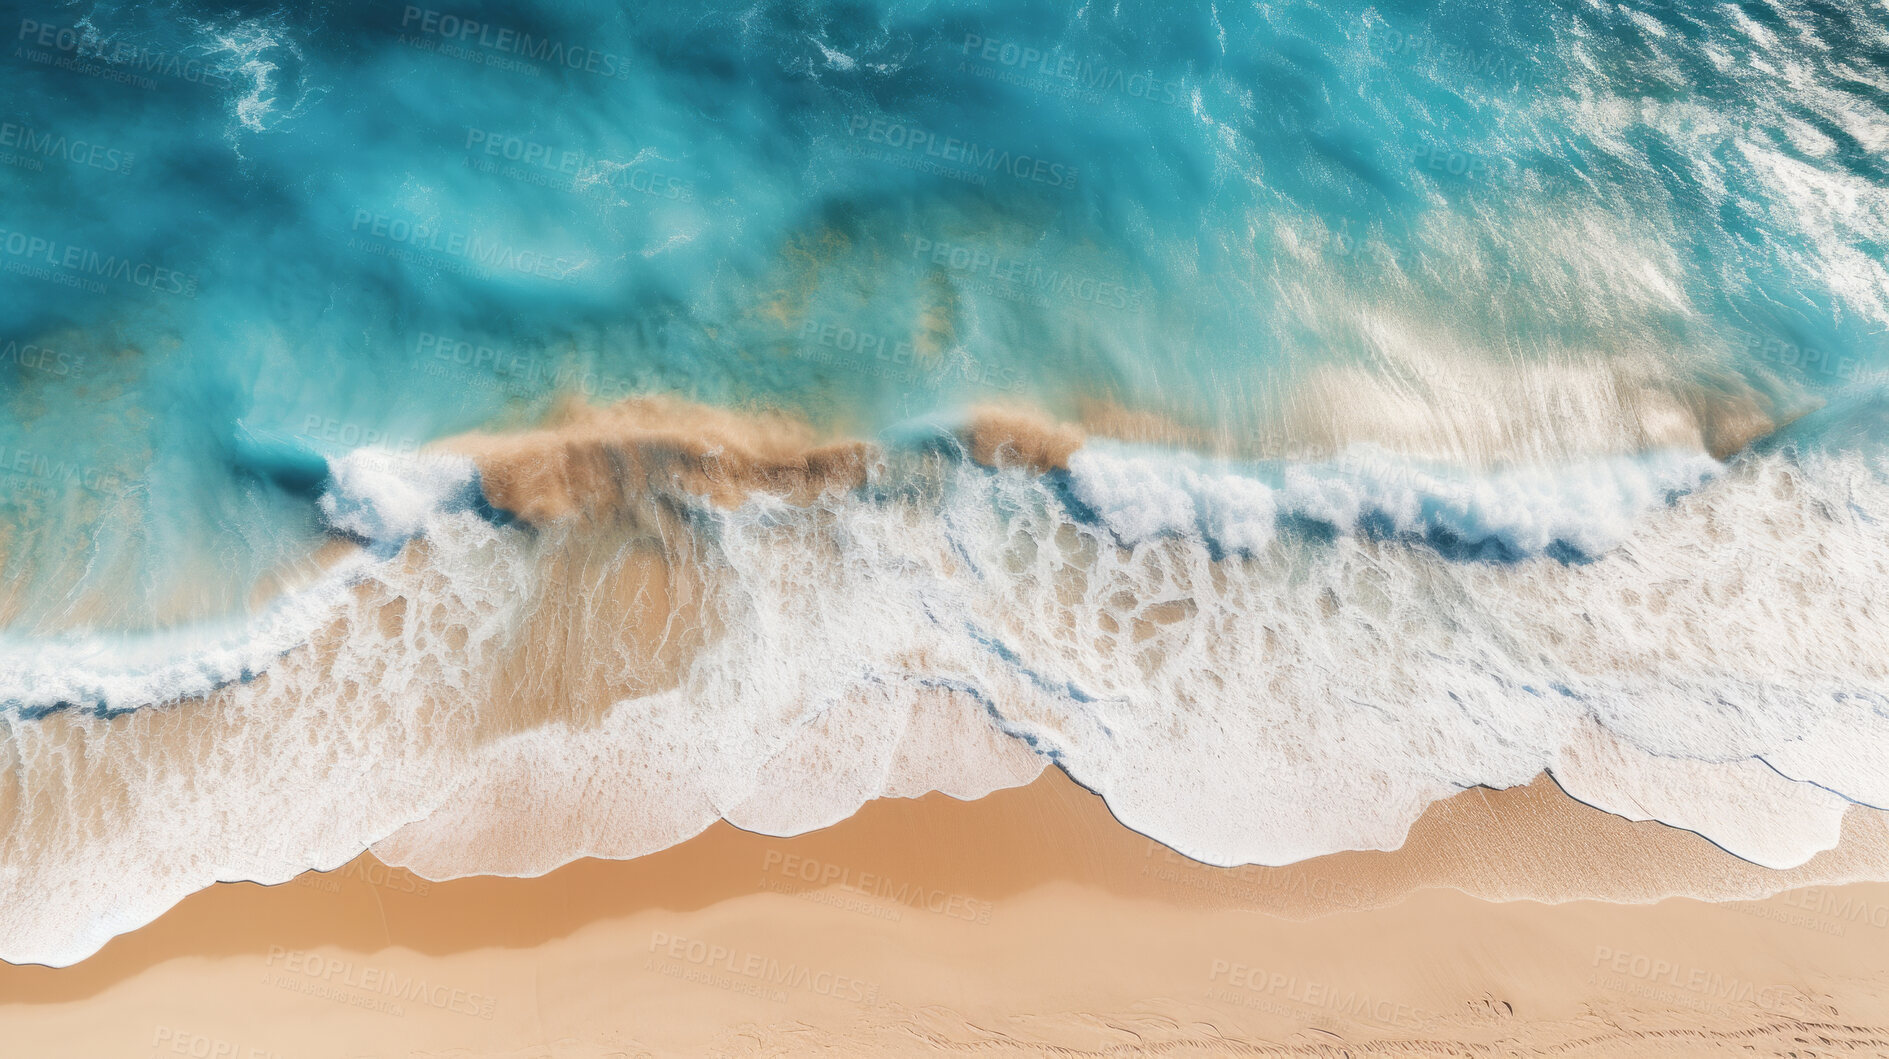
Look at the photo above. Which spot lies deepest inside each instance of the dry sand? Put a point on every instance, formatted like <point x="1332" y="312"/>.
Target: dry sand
<point x="1026" y="923"/>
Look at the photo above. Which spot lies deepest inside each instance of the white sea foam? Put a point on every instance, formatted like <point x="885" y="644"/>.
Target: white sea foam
<point x="381" y="497"/>
<point x="387" y="497"/>
<point x="1308" y="697"/>
<point x="131" y="670"/>
<point x="1434" y="675"/>
<point x="1239" y="688"/>
<point x="1588" y="506"/>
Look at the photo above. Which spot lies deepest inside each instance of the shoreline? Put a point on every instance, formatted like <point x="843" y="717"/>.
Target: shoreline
<point x="1019" y="923"/>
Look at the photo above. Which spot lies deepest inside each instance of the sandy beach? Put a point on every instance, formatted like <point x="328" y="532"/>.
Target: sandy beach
<point x="1025" y="923"/>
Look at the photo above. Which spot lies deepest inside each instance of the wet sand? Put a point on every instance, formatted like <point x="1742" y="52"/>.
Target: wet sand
<point x="1025" y="923"/>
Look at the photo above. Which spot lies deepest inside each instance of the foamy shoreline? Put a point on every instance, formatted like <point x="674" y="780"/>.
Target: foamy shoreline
<point x="600" y="637"/>
<point x="1054" y="928"/>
